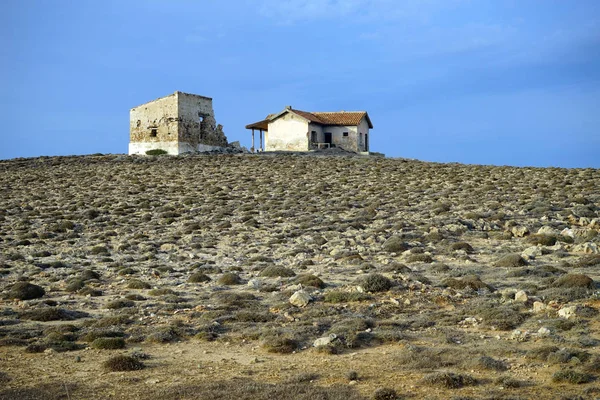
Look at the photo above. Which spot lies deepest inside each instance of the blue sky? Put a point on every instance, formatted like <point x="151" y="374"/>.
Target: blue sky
<point x="506" y="82"/>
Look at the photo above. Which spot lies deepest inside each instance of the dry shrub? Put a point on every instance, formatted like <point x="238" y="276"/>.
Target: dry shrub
<point x="511" y="261"/>
<point x="572" y="377"/>
<point x="503" y="317"/>
<point x="385" y="394"/>
<point x="542" y="239"/>
<point x="375" y="283"/>
<point x="138" y="284"/>
<point x="310" y="280"/>
<point x="278" y="344"/>
<point x="198" y="277"/>
<point x="461" y="246"/>
<point x="51" y="314"/>
<point x="275" y="271"/>
<point x="123" y="363"/>
<point x="592" y="260"/>
<point x="424" y="258"/>
<point x="108" y="343"/>
<point x="469" y="281"/>
<point x="229" y="278"/>
<point x="449" y="380"/>
<point x="338" y="296"/>
<point x="395" y="244"/>
<point x="574" y="281"/>
<point x="25" y="291"/>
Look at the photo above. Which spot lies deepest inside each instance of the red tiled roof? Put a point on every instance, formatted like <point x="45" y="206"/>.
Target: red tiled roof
<point x="344" y="118"/>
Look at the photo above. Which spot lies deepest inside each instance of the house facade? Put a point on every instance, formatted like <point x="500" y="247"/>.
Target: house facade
<point x="178" y="123"/>
<point x="296" y="130"/>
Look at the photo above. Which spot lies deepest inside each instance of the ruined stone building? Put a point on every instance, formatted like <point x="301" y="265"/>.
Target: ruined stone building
<point x="295" y="130"/>
<point x="178" y="123"/>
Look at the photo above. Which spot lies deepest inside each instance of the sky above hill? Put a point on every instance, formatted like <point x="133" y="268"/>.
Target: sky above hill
<point x="506" y="82"/>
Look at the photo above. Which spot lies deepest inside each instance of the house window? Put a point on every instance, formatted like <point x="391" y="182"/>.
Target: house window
<point x="313" y="137"/>
<point x="345" y="134"/>
<point x="153" y="132"/>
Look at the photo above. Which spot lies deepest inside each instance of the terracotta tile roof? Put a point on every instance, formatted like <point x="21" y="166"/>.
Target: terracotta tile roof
<point x="347" y="118"/>
<point x="342" y="118"/>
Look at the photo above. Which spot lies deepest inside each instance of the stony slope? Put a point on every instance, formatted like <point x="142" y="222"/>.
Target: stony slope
<point x="433" y="280"/>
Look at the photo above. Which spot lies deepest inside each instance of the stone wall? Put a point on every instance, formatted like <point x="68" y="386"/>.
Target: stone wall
<point x="155" y="122"/>
<point x="177" y="123"/>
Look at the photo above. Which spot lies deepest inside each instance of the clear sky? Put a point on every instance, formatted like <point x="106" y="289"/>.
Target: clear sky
<point x="507" y="82"/>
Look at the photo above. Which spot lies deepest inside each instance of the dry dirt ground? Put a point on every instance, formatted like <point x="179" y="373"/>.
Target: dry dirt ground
<point x="297" y="277"/>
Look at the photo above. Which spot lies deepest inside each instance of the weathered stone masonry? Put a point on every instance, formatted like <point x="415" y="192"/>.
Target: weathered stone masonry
<point x="178" y="123"/>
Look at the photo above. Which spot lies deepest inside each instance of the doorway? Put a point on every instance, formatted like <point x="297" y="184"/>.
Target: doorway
<point x="328" y="137"/>
<point x="366" y="142"/>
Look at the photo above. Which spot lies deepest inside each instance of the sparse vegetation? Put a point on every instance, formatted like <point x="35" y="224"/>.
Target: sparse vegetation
<point x="194" y="260"/>
<point x="123" y="363"/>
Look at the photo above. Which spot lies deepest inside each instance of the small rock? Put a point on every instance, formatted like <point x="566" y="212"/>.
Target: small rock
<point x="520" y="231"/>
<point x="324" y="341"/>
<point x="543" y="332"/>
<point x="300" y="299"/>
<point x="50" y="351"/>
<point x="167" y="247"/>
<point x="587" y="248"/>
<point x="567" y="312"/>
<point x="568" y="232"/>
<point x="255" y="283"/>
<point x="538" y="306"/>
<point x="531" y="253"/>
<point x="521" y="296"/>
<point x="547" y="230"/>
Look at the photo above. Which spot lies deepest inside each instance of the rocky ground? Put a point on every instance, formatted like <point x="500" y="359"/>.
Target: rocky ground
<point x="294" y="276"/>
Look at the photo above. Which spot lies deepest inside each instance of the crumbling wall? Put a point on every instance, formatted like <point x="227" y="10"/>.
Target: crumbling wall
<point x="197" y="124"/>
<point x="178" y="123"/>
<point x="155" y="122"/>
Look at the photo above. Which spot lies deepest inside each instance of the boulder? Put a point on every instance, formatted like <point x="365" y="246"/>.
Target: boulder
<point x="568" y="312"/>
<point x="531" y="253"/>
<point x="300" y="299"/>
<point x="521" y="296"/>
<point x="587" y="248"/>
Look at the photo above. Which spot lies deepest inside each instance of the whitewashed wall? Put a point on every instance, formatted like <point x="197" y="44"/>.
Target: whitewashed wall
<point x="287" y="133"/>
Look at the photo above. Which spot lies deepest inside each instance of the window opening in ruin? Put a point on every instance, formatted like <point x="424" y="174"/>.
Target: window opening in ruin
<point x="154" y="132"/>
<point x="345" y="134"/>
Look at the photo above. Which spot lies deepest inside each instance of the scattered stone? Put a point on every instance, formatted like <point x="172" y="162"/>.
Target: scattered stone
<point x="520" y="231"/>
<point x="324" y="341"/>
<point x="300" y="299"/>
<point x="521" y="296"/>
<point x="547" y="230"/>
<point x="587" y="248"/>
<point x="538" y="307"/>
<point x="531" y="253"/>
<point x="567" y="312"/>
<point x="543" y="332"/>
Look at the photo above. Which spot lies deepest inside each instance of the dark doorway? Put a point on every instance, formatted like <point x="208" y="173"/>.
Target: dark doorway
<point x="366" y="142"/>
<point x="328" y="137"/>
<point x="313" y="137"/>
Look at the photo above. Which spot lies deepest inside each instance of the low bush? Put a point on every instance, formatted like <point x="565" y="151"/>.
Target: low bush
<point x="511" y="261"/>
<point x="385" y="394"/>
<point x="121" y="303"/>
<point x="108" y="343"/>
<point x="198" y="277"/>
<point x="25" y="291"/>
<point x="282" y="345"/>
<point x="275" y="271"/>
<point x="338" y="296"/>
<point x="375" y="283"/>
<point x="229" y="278"/>
<point x="123" y="363"/>
<point x="156" y="152"/>
<point x="574" y="281"/>
<point x="310" y="280"/>
<point x="138" y="284"/>
<point x="449" y="380"/>
<point x="572" y="376"/>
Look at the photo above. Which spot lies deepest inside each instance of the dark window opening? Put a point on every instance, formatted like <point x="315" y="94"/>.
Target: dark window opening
<point x="345" y="134"/>
<point x="313" y="137"/>
<point x="154" y="132"/>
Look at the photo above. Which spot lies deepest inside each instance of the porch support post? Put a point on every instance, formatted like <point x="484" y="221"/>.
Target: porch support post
<point x="261" y="140"/>
<point x="253" y="140"/>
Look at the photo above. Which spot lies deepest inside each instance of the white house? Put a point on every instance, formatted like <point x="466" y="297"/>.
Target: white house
<point x="295" y="130"/>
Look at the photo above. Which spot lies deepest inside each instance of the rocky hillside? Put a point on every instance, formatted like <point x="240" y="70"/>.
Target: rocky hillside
<point x="296" y="276"/>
